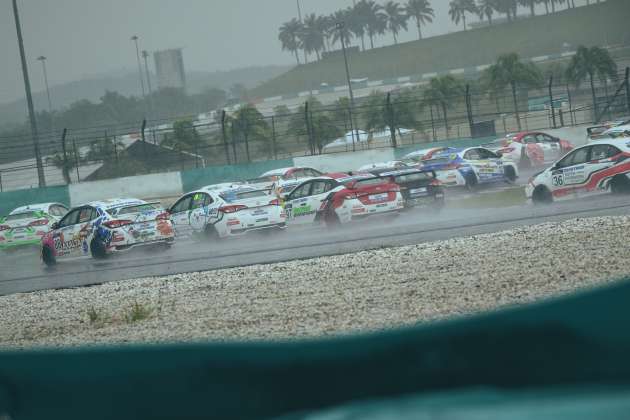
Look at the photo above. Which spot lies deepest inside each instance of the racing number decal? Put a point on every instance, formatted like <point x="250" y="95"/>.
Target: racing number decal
<point x="557" y="180"/>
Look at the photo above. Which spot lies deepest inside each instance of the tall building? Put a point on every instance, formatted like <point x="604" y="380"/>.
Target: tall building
<point x="169" y="67"/>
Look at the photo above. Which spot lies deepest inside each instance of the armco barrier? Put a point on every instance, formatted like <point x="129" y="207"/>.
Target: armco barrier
<point x="578" y="341"/>
<point x="12" y="199"/>
<point x="197" y="178"/>
<point x="144" y="186"/>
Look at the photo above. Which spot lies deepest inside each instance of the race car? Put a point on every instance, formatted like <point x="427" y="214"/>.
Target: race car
<point x="343" y="199"/>
<point x="422" y="154"/>
<point x="600" y="131"/>
<point x="383" y="165"/>
<point x="470" y="167"/>
<point x="419" y="187"/>
<point x="101" y="228"/>
<point x="27" y="225"/>
<point x="530" y="148"/>
<point x="615" y="132"/>
<point x="283" y="180"/>
<point x="592" y="169"/>
<point x="217" y="214"/>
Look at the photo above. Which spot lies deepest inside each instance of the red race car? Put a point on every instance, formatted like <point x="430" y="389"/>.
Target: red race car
<point x="530" y="148"/>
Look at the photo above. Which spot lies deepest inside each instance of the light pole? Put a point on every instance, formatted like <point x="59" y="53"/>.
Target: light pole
<point x="340" y="27"/>
<point x="145" y="55"/>
<point x="42" y="60"/>
<point x="135" y="40"/>
<point x="29" y="98"/>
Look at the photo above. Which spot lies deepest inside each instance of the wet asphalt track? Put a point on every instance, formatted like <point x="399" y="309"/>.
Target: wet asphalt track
<point x="22" y="271"/>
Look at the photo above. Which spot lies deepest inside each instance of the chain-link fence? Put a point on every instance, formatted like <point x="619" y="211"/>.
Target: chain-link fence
<point x="402" y="117"/>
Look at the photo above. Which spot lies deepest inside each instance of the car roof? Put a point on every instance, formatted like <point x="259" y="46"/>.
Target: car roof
<point x="396" y="172"/>
<point x="220" y="187"/>
<point x="622" y="143"/>
<point x="115" y="203"/>
<point x="34" y="207"/>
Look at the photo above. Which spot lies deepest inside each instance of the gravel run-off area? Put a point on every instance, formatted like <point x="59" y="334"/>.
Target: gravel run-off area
<point x="365" y="291"/>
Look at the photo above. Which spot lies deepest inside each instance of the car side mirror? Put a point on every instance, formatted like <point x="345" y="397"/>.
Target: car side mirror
<point x="55" y="226"/>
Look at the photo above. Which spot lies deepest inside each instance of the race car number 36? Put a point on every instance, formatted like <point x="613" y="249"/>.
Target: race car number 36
<point x="557" y="180"/>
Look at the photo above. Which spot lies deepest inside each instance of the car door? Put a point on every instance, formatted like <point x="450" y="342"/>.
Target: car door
<point x="180" y="215"/>
<point x="484" y="169"/>
<point x="201" y="211"/>
<point x="318" y="193"/>
<point x="75" y="232"/>
<point x="550" y="147"/>
<point x="533" y="150"/>
<point x="599" y="160"/>
<point x="569" y="174"/>
<point x="297" y="205"/>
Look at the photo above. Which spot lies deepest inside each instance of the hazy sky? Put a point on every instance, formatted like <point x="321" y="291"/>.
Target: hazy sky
<point x="88" y="37"/>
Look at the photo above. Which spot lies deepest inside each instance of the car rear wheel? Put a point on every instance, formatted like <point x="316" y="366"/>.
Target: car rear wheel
<point x="48" y="256"/>
<point x="542" y="195"/>
<point x="525" y="162"/>
<point x="620" y="185"/>
<point x="97" y="248"/>
<point x="332" y="220"/>
<point x="510" y="174"/>
<point x="210" y="233"/>
<point x="471" y="181"/>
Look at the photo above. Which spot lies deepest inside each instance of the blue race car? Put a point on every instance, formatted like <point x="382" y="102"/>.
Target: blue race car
<point x="470" y="167"/>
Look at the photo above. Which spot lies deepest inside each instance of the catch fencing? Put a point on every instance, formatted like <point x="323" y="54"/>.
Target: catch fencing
<point x="403" y="117"/>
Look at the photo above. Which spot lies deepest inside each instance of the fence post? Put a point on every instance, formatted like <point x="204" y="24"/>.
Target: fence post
<point x="144" y="143"/>
<point x="116" y="150"/>
<point x="274" y="148"/>
<point x="432" y="121"/>
<point x="571" y="114"/>
<point x="65" y="172"/>
<point x="233" y="141"/>
<point x="223" y="135"/>
<point x="307" y="124"/>
<point x="0" y="181"/>
<point x="391" y="122"/>
<point x="553" y="110"/>
<point x="469" y="111"/>
<point x="561" y="114"/>
<point x="627" y="82"/>
<point x="76" y="159"/>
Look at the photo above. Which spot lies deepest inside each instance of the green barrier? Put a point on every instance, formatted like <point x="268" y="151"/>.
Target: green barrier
<point x="9" y="200"/>
<point x="400" y="152"/>
<point x="197" y="178"/>
<point x="577" y="341"/>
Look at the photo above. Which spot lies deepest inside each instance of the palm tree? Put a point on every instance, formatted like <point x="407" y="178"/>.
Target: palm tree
<point x="324" y="25"/>
<point x="375" y="19"/>
<point x="509" y="70"/>
<point x="396" y="18"/>
<point x="458" y="9"/>
<point x="421" y="11"/>
<point x="444" y="91"/>
<point x="311" y="37"/>
<point x="591" y="62"/>
<point x="485" y="9"/>
<point x="508" y="7"/>
<point x="288" y="36"/>
<point x="356" y="22"/>
<point x="337" y="32"/>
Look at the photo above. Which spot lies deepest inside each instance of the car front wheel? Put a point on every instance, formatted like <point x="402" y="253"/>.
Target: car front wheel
<point x="620" y="185"/>
<point x="48" y="256"/>
<point x="542" y="195"/>
<point x="97" y="248"/>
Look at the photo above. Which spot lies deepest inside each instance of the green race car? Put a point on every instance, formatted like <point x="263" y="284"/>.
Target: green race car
<point x="28" y="224"/>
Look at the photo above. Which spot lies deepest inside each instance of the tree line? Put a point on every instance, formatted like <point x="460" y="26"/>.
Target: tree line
<point x="367" y="19"/>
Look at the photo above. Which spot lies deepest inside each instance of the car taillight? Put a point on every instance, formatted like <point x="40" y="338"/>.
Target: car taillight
<point x="231" y="209"/>
<point x="113" y="224"/>
<point x="4" y="227"/>
<point x="40" y="222"/>
<point x="395" y="188"/>
<point x="351" y="196"/>
<point x="275" y="202"/>
<point x="163" y="216"/>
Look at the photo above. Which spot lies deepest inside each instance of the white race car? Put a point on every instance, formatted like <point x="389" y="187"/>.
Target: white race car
<point x="28" y="224"/>
<point x="100" y="228"/>
<point x="592" y="169"/>
<point x="283" y="180"/>
<point x="224" y="213"/>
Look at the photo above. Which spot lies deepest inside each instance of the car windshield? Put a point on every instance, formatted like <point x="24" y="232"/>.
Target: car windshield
<point x="437" y="161"/>
<point x="413" y="177"/>
<point x="142" y="208"/>
<point x="23" y="215"/>
<point x="243" y="195"/>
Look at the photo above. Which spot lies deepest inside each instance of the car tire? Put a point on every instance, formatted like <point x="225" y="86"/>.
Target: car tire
<point x="525" y="162"/>
<point x="471" y="181"/>
<point x="542" y="195"/>
<point x="620" y="185"/>
<point x="48" y="256"/>
<point x="210" y="233"/>
<point x="332" y="220"/>
<point x="510" y="174"/>
<point x="437" y="205"/>
<point x="97" y="249"/>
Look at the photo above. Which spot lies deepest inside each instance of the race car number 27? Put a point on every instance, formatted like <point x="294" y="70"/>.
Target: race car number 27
<point x="557" y="180"/>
